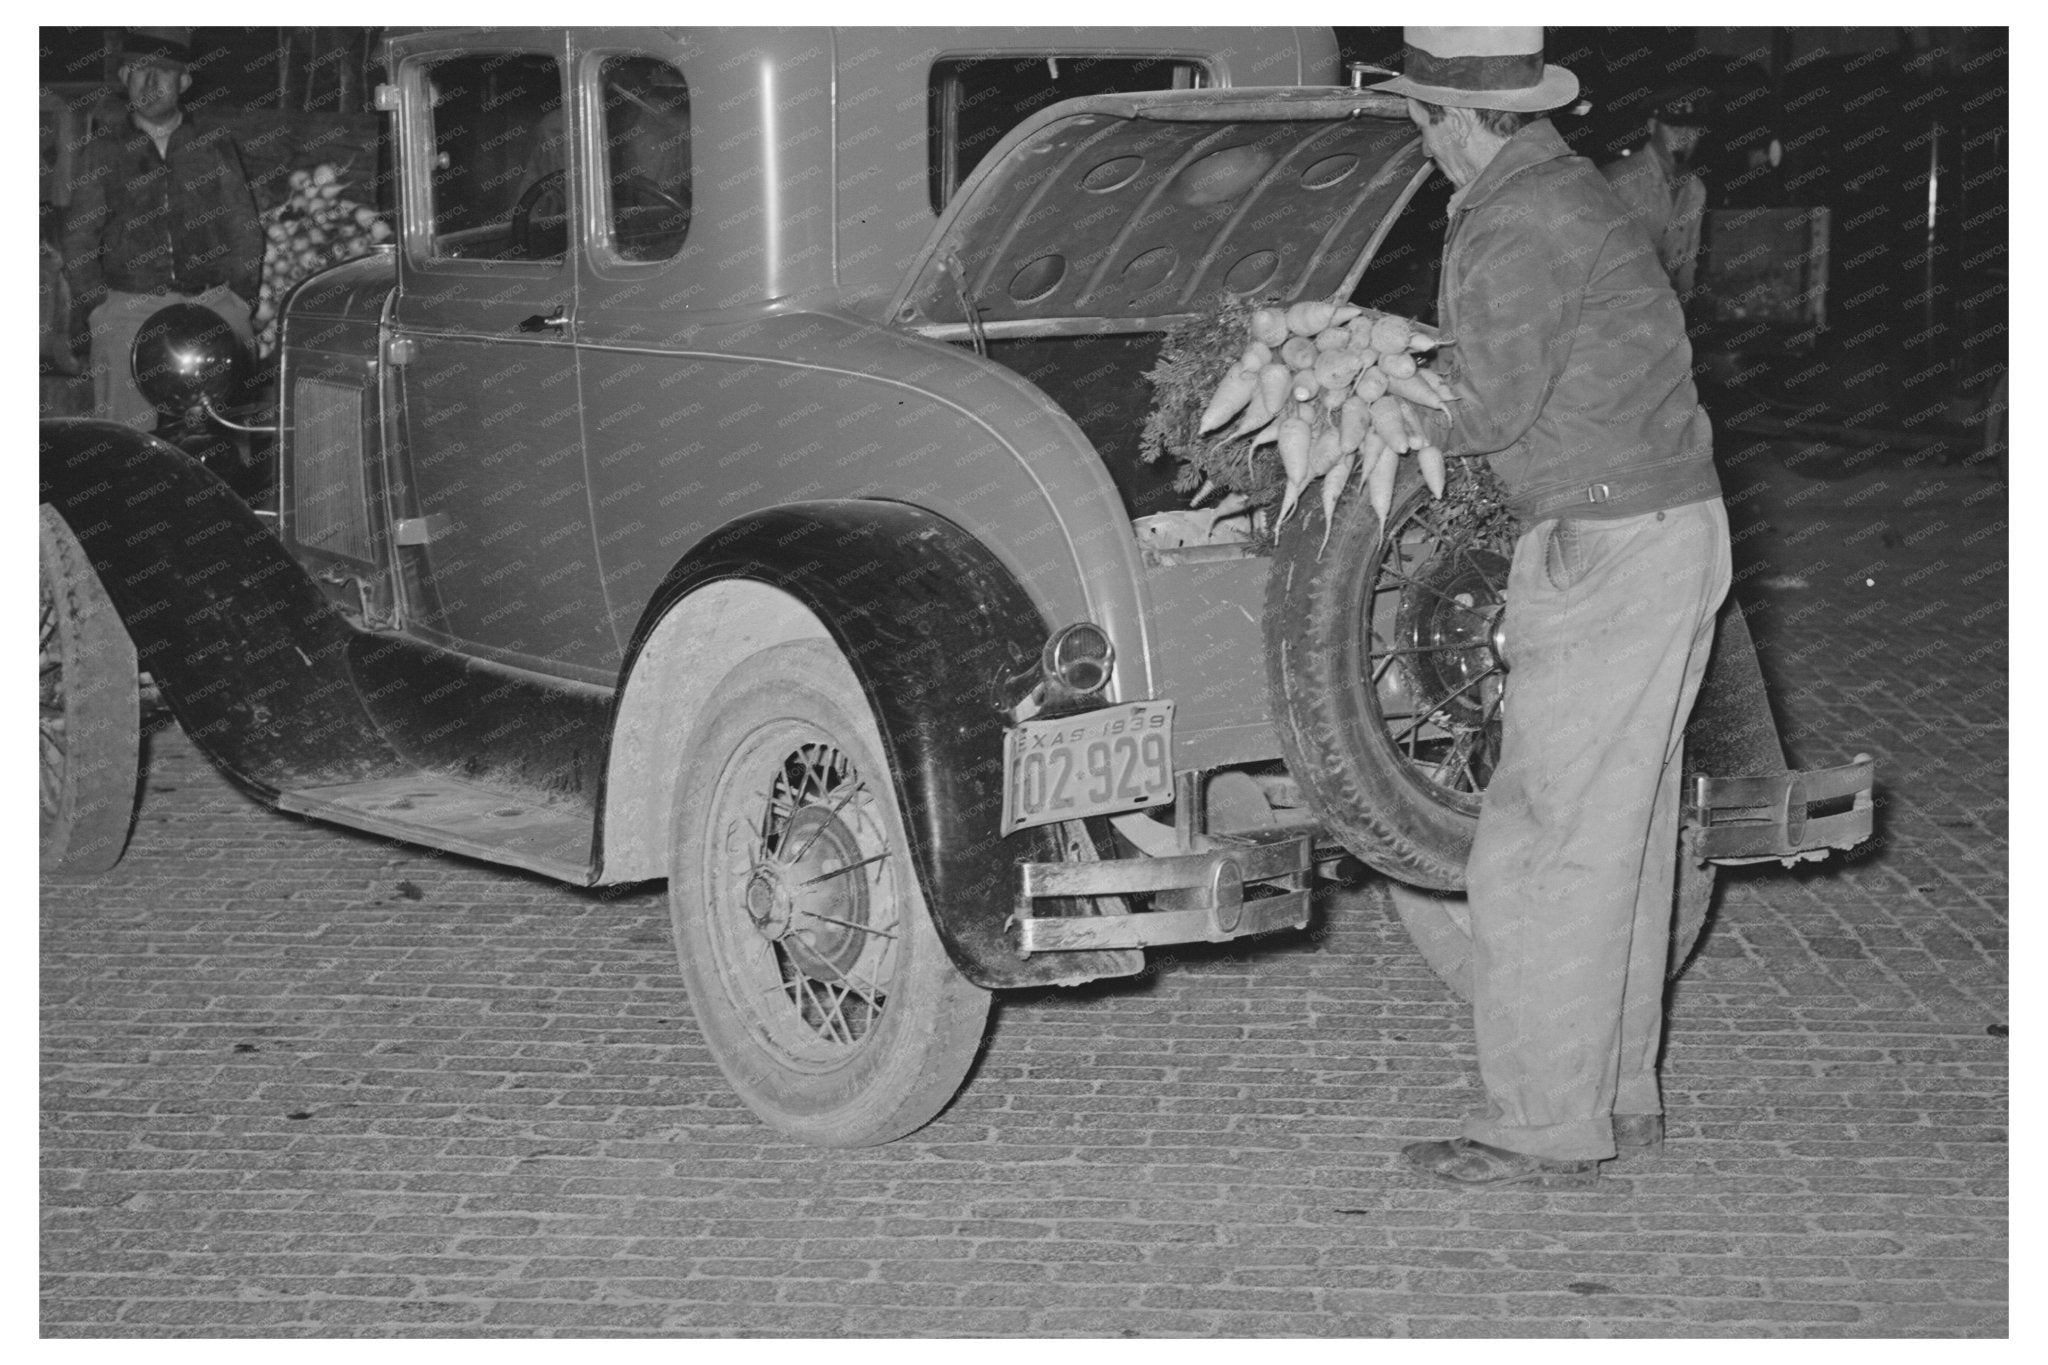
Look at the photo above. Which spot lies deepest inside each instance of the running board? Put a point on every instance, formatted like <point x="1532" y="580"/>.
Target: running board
<point x="459" y="817"/>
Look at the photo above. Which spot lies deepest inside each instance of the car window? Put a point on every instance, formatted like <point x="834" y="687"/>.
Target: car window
<point x="645" y="108"/>
<point x="974" y="101"/>
<point x="499" y="152"/>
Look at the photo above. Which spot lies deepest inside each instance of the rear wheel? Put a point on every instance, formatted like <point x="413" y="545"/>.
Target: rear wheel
<point x="91" y="714"/>
<point x="814" y="969"/>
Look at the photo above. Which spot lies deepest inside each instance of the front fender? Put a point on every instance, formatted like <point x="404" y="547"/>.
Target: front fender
<point x="243" y="646"/>
<point x="925" y="615"/>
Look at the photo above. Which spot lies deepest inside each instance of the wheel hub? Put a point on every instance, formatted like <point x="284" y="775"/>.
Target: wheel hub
<point x="1453" y="634"/>
<point x="804" y="898"/>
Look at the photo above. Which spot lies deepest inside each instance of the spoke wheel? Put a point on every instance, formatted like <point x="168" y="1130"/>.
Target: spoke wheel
<point x="90" y="744"/>
<point x="814" y="970"/>
<point x="1384" y="650"/>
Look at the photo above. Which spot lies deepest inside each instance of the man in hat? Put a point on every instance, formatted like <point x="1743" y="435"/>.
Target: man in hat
<point x="161" y="214"/>
<point x="1656" y="180"/>
<point x="1567" y="352"/>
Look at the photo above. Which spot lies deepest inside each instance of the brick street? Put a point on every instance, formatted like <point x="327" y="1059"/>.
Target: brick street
<point x="299" y="1081"/>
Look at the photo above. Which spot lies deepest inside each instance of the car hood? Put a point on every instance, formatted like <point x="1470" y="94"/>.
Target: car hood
<point x="1118" y="211"/>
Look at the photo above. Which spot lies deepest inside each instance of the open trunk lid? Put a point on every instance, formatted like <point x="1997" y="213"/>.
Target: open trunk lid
<point x="1126" y="212"/>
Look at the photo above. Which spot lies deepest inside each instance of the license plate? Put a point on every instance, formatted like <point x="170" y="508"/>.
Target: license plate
<point x="1117" y="759"/>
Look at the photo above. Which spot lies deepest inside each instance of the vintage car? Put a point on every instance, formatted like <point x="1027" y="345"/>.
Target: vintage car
<point x="730" y="476"/>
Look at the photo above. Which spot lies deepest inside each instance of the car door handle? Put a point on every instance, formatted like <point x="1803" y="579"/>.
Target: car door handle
<point x="542" y="322"/>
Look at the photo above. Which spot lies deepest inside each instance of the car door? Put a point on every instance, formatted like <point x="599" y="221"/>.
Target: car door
<point x="494" y="519"/>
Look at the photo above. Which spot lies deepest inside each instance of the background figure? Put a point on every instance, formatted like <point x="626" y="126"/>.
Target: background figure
<point x="161" y="213"/>
<point x="1656" y="181"/>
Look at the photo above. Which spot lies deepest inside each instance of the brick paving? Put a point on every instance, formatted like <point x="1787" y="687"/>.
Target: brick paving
<point x="297" y="1081"/>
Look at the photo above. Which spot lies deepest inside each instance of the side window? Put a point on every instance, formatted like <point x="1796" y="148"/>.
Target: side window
<point x="500" y="145"/>
<point x="974" y="101"/>
<point x="645" y="106"/>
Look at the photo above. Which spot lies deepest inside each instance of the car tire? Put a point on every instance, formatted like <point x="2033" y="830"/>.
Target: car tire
<point x="814" y="969"/>
<point x="1440" y="925"/>
<point x="90" y="744"/>
<point x="1383" y="669"/>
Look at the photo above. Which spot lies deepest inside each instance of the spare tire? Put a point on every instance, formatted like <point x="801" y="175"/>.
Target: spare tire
<point x="1383" y="657"/>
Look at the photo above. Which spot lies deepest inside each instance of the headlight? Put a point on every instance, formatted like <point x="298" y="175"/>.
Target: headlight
<point x="185" y="354"/>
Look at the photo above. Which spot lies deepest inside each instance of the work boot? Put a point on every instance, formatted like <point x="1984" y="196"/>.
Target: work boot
<point x="1461" y="1161"/>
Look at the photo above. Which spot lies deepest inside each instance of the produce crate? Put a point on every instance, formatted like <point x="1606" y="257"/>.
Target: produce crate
<point x="1767" y="266"/>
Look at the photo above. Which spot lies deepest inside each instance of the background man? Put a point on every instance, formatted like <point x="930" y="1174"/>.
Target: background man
<point x="1575" y="381"/>
<point x="161" y="212"/>
<point x="1656" y="181"/>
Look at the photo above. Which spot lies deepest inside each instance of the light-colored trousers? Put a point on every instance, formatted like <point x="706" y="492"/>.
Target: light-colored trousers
<point x="114" y="325"/>
<point x="1572" y="872"/>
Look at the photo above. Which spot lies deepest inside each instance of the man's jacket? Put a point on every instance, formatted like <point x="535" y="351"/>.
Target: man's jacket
<point x="1568" y="348"/>
<point x="143" y="223"/>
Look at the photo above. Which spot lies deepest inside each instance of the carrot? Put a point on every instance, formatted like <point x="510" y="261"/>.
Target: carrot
<point x="1416" y="390"/>
<point x="1255" y="357"/>
<point x="1298" y="352"/>
<point x="1372" y="383"/>
<point x="1336" y="369"/>
<point x="1269" y="325"/>
<point x="1274" y="381"/>
<point x="1387" y="420"/>
<point x="1310" y="316"/>
<point x="1333" y="490"/>
<point x="1324" y="450"/>
<point x="1257" y="413"/>
<point x="1432" y="461"/>
<point x="1230" y="398"/>
<point x="1390" y="334"/>
<point x="1294" y="443"/>
<point x="1353" y="423"/>
<point x="1398" y="365"/>
<point x="1379" y="483"/>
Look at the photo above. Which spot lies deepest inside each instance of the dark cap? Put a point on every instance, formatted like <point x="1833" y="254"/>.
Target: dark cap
<point x="1688" y="106"/>
<point x="144" y="45"/>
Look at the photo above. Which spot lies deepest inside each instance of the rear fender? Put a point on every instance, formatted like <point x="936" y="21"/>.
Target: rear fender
<point x="244" y="647"/>
<point x="1731" y="729"/>
<point x="925" y="615"/>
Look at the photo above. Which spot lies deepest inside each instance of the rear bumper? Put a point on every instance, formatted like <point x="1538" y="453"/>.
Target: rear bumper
<point x="1782" y="817"/>
<point x="1231" y="889"/>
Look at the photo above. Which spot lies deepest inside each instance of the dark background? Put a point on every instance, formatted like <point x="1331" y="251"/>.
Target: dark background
<point x="1862" y="120"/>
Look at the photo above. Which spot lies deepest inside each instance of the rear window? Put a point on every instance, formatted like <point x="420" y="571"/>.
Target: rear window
<point x="975" y="100"/>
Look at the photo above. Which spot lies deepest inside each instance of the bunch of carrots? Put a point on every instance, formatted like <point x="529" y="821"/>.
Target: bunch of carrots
<point x="1338" y="389"/>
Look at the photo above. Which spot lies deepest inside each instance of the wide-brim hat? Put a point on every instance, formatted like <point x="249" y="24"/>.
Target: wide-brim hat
<point x="1481" y="68"/>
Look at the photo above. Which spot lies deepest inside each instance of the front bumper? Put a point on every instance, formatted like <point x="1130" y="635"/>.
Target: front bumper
<point x="1231" y="889"/>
